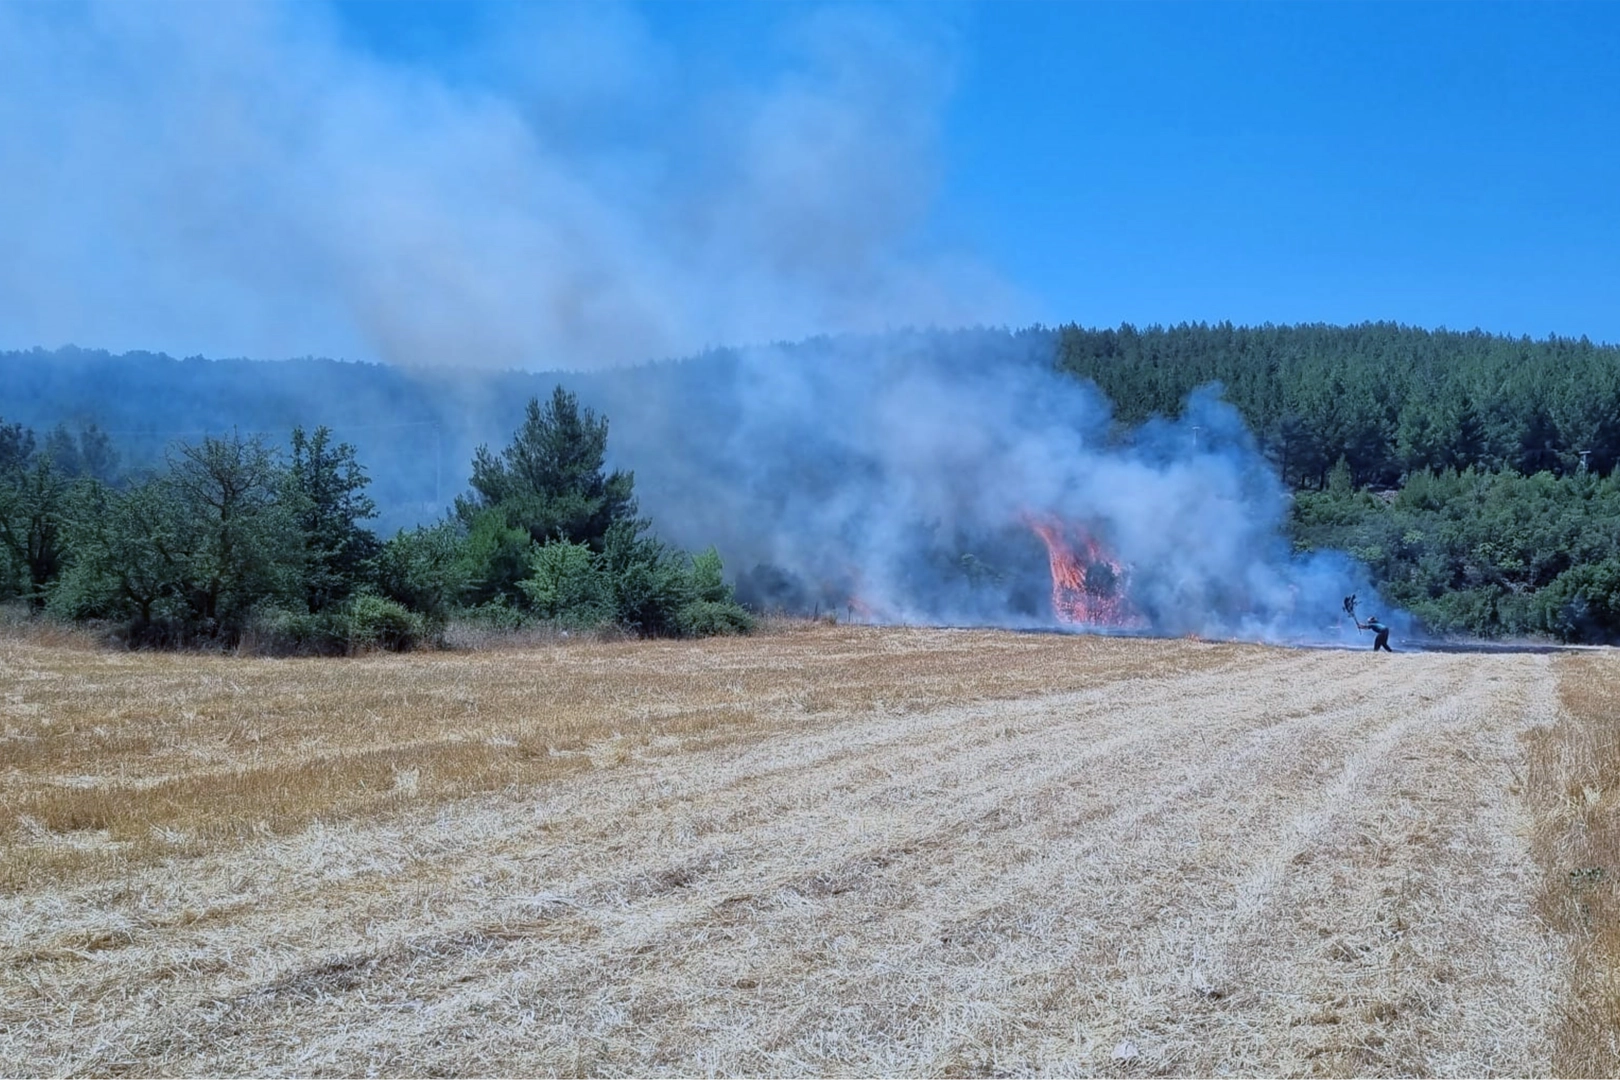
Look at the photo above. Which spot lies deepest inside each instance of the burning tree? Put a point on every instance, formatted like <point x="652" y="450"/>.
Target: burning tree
<point x="1088" y="583"/>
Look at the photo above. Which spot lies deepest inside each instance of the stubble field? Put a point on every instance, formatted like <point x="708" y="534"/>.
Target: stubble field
<point x="829" y="850"/>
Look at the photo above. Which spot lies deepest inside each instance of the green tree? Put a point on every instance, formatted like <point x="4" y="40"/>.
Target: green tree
<point x="325" y="494"/>
<point x="425" y="569"/>
<point x="242" y="544"/>
<point x="550" y="481"/>
<point x="16" y="447"/>
<point x="35" y="508"/>
<point x="133" y="554"/>
<point x="567" y="583"/>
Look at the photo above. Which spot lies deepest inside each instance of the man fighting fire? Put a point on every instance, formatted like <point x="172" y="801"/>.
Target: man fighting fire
<point x="1381" y="641"/>
<point x="1381" y="632"/>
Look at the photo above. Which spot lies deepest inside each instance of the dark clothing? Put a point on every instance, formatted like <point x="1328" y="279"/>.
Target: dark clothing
<point x="1381" y="641"/>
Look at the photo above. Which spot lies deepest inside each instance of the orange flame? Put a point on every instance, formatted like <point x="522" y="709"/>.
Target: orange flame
<point x="1088" y="583"/>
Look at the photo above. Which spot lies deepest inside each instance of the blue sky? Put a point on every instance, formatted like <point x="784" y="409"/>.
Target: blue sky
<point x="1454" y="164"/>
<point x="576" y="185"/>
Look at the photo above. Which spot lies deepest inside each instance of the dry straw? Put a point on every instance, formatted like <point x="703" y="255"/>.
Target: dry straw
<point x="836" y="850"/>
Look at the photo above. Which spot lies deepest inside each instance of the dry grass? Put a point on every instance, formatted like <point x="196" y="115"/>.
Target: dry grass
<point x="113" y="759"/>
<point x="1573" y="778"/>
<point x="829" y="850"/>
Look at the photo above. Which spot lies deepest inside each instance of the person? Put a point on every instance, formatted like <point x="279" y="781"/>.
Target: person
<point x="1381" y="641"/>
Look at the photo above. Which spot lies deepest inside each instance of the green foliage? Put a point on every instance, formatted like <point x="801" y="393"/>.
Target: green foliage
<point x="325" y="493"/>
<point x="376" y="622"/>
<point x="1483" y="552"/>
<point x="89" y="454"/>
<point x="1583" y="603"/>
<point x="638" y="583"/>
<point x="552" y="536"/>
<point x="132" y="560"/>
<point x="706" y="618"/>
<point x="550" y="481"/>
<point x="35" y="511"/>
<point x="16" y="447"/>
<point x="275" y="631"/>
<point x="649" y="582"/>
<point x="190" y="554"/>
<point x="494" y="558"/>
<point x="426" y="569"/>
<point x="1390" y="400"/>
<point x="239" y="542"/>
<point x="363" y="623"/>
<point x="567" y="584"/>
<point x="711" y="609"/>
<point x="233" y="541"/>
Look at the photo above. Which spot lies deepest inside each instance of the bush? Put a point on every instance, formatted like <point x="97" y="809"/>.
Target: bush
<point x="363" y="623"/>
<point x="375" y="622"/>
<point x="703" y="618"/>
<point x="1583" y="604"/>
<point x="425" y="570"/>
<point x="567" y="585"/>
<point x="278" y="632"/>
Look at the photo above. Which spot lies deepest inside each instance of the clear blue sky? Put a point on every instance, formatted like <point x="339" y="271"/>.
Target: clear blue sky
<point x="1449" y="164"/>
<point x="1455" y="164"/>
<point x="537" y="184"/>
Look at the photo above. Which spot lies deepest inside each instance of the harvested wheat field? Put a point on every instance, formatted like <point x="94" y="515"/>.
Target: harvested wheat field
<point x="832" y="850"/>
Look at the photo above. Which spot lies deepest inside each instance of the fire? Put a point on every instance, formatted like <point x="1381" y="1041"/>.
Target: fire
<point x="1088" y="583"/>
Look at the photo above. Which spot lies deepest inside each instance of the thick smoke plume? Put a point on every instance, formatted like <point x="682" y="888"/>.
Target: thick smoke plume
<point x="923" y="478"/>
<point x="561" y="189"/>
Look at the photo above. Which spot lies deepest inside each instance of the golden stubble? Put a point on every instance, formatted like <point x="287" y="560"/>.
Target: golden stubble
<point x="825" y="850"/>
<point x="113" y="759"/>
<point x="1573" y="781"/>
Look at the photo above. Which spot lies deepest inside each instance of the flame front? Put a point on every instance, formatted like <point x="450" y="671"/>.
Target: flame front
<point x="1088" y="583"/>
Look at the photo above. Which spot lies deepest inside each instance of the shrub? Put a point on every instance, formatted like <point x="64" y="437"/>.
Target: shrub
<point x="702" y="618"/>
<point x="567" y="585"/>
<point x="278" y="632"/>
<point x="424" y="569"/>
<point x="376" y="622"/>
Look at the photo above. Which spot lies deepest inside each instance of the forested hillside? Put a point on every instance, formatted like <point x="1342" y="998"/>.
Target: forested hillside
<point x="1474" y="474"/>
<point x="1390" y="400"/>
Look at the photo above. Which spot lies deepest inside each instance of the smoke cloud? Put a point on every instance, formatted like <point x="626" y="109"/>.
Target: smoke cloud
<point x="563" y="190"/>
<point x="903" y="478"/>
<point x="568" y="192"/>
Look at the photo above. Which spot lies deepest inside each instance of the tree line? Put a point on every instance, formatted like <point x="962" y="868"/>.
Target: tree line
<point x="1472" y="472"/>
<point x="1391" y="401"/>
<point x="234" y="539"/>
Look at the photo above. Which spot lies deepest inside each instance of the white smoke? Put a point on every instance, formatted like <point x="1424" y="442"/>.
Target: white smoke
<point x="896" y="478"/>
<point x="565" y="191"/>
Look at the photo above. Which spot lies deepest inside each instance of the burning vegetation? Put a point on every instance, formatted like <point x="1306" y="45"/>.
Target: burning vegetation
<point x="1088" y="583"/>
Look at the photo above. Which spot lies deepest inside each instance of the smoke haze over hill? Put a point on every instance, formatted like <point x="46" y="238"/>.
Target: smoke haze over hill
<point x="573" y="194"/>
